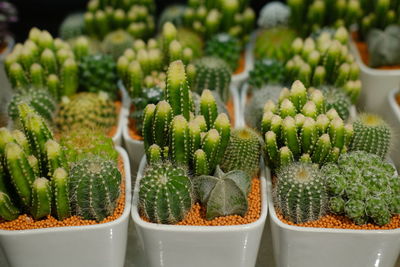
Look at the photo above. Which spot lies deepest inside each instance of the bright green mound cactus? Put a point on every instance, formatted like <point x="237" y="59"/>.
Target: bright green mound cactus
<point x="115" y="43"/>
<point x="300" y="193"/>
<point x="223" y="194"/>
<point x="371" y="134"/>
<point x="225" y="47"/>
<point x="174" y="14"/>
<point x="72" y="26"/>
<point x="274" y="43"/>
<point x="94" y="188"/>
<point x="243" y="152"/>
<point x="214" y="74"/>
<point x="265" y="72"/>
<point x="221" y="107"/>
<point x="98" y="73"/>
<point x="192" y="40"/>
<point x="39" y="99"/>
<point x="338" y="100"/>
<point x="86" y="143"/>
<point x="165" y="193"/>
<point x="86" y="110"/>
<point x="384" y="46"/>
<point x="363" y="187"/>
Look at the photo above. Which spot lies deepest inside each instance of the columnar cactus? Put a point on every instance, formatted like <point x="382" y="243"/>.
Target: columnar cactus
<point x="300" y="192"/>
<point x="165" y="193"/>
<point x="214" y="74"/>
<point x="363" y="187"/>
<point x="371" y="134"/>
<point x="224" y="193"/>
<point x="94" y="188"/>
<point x="40" y="61"/>
<point x="243" y="152"/>
<point x="86" y="110"/>
<point x="226" y="47"/>
<point x="298" y="126"/>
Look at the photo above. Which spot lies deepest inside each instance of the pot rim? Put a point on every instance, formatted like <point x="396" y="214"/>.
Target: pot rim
<point x="123" y="217"/>
<point x="192" y="228"/>
<point x="393" y="104"/>
<point x="280" y="224"/>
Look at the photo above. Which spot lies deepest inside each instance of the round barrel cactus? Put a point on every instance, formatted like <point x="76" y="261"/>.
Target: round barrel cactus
<point x="115" y="43"/>
<point x="225" y="47"/>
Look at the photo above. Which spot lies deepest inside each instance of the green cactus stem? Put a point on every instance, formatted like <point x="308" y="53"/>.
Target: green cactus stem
<point x="177" y="92"/>
<point x="60" y="189"/>
<point x="41" y="198"/>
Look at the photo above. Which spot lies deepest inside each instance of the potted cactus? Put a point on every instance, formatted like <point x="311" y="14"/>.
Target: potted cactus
<point x="70" y="191"/>
<point x="375" y="47"/>
<point x="209" y="175"/>
<point x="329" y="181"/>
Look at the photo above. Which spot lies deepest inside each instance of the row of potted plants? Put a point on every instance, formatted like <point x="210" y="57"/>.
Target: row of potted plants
<point x="203" y="191"/>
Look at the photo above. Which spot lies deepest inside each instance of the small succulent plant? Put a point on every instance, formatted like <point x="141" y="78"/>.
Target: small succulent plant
<point x="226" y="47"/>
<point x="274" y="43"/>
<point x="363" y="187"/>
<point x="273" y="14"/>
<point x="383" y="46"/>
<point x="174" y="14"/>
<point x="224" y="193"/>
<point x="115" y="43"/>
<point x="72" y="26"/>
<point x="338" y="100"/>
<point x="300" y="192"/>
<point x="266" y="72"/>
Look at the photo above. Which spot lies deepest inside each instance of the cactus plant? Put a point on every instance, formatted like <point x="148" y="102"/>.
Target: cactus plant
<point x="192" y="40"/>
<point x="298" y="126"/>
<point x="174" y="14"/>
<point x="115" y="43"/>
<point x="165" y="193"/>
<point x="338" y="100"/>
<point x="213" y="74"/>
<point x="243" y="152"/>
<point x="265" y="72"/>
<point x="273" y="14"/>
<point x="224" y="193"/>
<point x="86" y="110"/>
<point x="274" y="43"/>
<point x="300" y="193"/>
<point x="383" y="46"/>
<point x="371" y="134"/>
<point x="363" y="187"/>
<point x="226" y="47"/>
<point x="94" y="188"/>
<point x="98" y="73"/>
<point x="39" y="99"/>
<point x="72" y="26"/>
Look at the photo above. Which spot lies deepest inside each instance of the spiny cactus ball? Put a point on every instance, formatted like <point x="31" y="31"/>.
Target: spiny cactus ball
<point x="86" y="110"/>
<point x="266" y="71"/>
<point x="98" y="73"/>
<point x="214" y="74"/>
<point x="115" y="43"/>
<point x="274" y="43"/>
<point x="39" y="99"/>
<point x="338" y="100"/>
<point x="72" y="26"/>
<point x="243" y="152"/>
<point x="165" y="193"/>
<point x="94" y="188"/>
<point x="371" y="134"/>
<point x="273" y="14"/>
<point x="363" y="187"/>
<point x="174" y="14"/>
<point x="300" y="192"/>
<point x="225" y="47"/>
<point x="192" y="40"/>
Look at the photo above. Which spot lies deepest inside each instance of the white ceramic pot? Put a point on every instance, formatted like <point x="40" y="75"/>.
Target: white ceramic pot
<point x="238" y="79"/>
<point x="316" y="247"/>
<point x="135" y="148"/>
<point x="101" y="245"/>
<point x="376" y="84"/>
<point x="199" y="246"/>
<point x="117" y="138"/>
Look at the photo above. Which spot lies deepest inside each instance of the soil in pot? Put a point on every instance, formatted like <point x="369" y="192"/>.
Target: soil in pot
<point x="25" y="222"/>
<point x="241" y="65"/>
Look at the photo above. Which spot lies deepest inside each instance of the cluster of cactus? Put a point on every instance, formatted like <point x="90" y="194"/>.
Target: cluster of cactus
<point x="377" y="15"/>
<point x="72" y="26"/>
<point x="98" y="73"/>
<point x="298" y="128"/>
<point x="266" y="71"/>
<point x="308" y="16"/>
<point x="226" y="47"/>
<point x="86" y="110"/>
<point x="371" y="134"/>
<point x="383" y="46"/>
<point x="325" y="61"/>
<point x="216" y="193"/>
<point x="338" y="100"/>
<point x="37" y="179"/>
<point x="273" y="14"/>
<point x="39" y="99"/>
<point x="43" y="62"/>
<point x="136" y="17"/>
<point x="212" y="73"/>
<point x="115" y="43"/>
<point x="274" y="43"/>
<point x="363" y="187"/>
<point x="170" y="129"/>
<point x="234" y="17"/>
<point x="143" y="65"/>
<point x="300" y="193"/>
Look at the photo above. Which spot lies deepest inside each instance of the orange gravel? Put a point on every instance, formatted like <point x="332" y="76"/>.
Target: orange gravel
<point x="398" y="98"/>
<point x="25" y="222"/>
<point x="242" y="64"/>
<point x="114" y="129"/>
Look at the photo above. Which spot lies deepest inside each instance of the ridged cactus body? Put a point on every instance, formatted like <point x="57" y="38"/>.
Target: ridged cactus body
<point x="225" y="47"/>
<point x="223" y="194"/>
<point x="338" y="100"/>
<point x="165" y="193"/>
<point x="300" y="193"/>
<point x="72" y="26"/>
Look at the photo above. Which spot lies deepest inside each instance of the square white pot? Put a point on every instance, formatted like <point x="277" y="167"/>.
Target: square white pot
<point x="199" y="246"/>
<point x="238" y="79"/>
<point x="135" y="148"/>
<point x="317" y="247"/>
<point x="376" y="84"/>
<point x="100" y="245"/>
